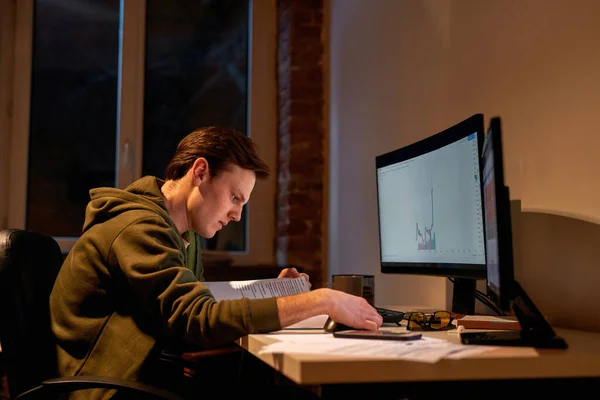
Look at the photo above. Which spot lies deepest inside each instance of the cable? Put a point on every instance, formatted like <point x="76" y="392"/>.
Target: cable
<point x="487" y="302"/>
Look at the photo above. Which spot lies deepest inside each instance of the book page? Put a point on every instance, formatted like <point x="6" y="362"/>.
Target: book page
<point x="487" y="318"/>
<point x="487" y="322"/>
<point x="258" y="289"/>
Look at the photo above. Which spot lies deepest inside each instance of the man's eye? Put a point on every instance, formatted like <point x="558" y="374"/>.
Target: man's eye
<point x="234" y="198"/>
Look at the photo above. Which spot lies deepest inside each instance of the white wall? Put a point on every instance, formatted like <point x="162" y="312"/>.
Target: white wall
<point x="403" y="70"/>
<point x="388" y="85"/>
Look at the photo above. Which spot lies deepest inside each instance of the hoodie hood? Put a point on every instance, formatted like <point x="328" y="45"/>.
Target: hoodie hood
<point x="107" y="203"/>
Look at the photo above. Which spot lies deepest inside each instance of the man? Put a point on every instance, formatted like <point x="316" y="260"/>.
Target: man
<point x="126" y="289"/>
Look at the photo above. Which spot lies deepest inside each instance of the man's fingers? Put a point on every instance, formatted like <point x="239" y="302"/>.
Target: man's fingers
<point x="307" y="279"/>
<point x="288" y="273"/>
<point x="376" y="318"/>
<point x="370" y="325"/>
<point x="293" y="273"/>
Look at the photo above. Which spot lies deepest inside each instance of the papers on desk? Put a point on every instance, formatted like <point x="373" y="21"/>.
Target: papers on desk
<point x="258" y="289"/>
<point x="428" y="350"/>
<point x="316" y="322"/>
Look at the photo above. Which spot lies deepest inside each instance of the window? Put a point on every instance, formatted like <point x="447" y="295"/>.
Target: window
<point x="196" y="75"/>
<point x="114" y="85"/>
<point x="7" y="42"/>
<point x="73" y="113"/>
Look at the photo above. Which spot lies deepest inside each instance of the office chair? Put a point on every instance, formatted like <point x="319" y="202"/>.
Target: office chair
<point x="29" y="264"/>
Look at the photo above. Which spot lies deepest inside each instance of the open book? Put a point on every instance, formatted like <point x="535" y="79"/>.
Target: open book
<point x="258" y="289"/>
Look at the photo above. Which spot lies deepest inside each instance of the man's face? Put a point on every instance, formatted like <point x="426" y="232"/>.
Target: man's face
<point x="219" y="200"/>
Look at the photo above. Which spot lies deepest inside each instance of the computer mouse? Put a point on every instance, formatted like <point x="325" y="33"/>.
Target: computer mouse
<point x="332" y="326"/>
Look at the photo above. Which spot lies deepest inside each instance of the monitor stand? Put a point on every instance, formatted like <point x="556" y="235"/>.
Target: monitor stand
<point x="535" y="330"/>
<point x="463" y="296"/>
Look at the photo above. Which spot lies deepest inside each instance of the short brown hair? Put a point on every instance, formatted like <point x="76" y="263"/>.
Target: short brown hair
<point x="221" y="147"/>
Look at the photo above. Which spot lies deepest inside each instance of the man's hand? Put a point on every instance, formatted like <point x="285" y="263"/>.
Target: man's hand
<point x="293" y="273"/>
<point x="344" y="308"/>
<point x="353" y="311"/>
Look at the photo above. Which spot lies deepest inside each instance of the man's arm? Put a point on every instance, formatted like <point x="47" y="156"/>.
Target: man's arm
<point x="344" y="308"/>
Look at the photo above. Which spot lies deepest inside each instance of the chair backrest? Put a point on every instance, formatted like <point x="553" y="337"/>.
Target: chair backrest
<point x="29" y="264"/>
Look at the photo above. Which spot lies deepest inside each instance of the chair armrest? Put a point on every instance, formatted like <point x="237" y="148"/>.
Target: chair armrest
<point x="70" y="384"/>
<point x="191" y="359"/>
<point x="196" y="356"/>
<point x="198" y="362"/>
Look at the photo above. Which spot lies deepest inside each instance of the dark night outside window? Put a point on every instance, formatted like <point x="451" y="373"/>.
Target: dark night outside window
<point x="196" y="74"/>
<point x="73" y="115"/>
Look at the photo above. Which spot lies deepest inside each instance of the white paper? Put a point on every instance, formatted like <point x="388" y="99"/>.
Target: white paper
<point x="316" y="322"/>
<point x="258" y="289"/>
<point x="426" y="349"/>
<point x="469" y="350"/>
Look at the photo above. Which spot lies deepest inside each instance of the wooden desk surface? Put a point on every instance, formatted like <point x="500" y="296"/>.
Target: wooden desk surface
<point x="580" y="360"/>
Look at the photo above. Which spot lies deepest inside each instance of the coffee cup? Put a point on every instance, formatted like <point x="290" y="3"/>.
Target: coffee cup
<point x="355" y="284"/>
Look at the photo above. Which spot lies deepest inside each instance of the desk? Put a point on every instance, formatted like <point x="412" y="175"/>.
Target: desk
<point x="483" y="374"/>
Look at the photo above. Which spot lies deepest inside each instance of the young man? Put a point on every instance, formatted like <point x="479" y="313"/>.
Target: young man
<point x="126" y="289"/>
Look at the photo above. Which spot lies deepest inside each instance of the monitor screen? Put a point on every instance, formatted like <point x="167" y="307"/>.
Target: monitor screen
<point x="499" y="256"/>
<point x="429" y="205"/>
<point x="430" y="211"/>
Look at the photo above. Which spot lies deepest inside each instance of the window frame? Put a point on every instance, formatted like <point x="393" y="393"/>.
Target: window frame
<point x="262" y="119"/>
<point x="7" y="33"/>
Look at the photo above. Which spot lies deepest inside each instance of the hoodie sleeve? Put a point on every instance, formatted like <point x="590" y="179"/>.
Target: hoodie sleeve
<point x="147" y="255"/>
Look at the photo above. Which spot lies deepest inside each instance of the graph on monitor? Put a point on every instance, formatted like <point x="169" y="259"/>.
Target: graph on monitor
<point x="426" y="240"/>
<point x="428" y="210"/>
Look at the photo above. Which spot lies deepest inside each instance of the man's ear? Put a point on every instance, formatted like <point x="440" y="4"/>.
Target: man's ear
<point x="200" y="171"/>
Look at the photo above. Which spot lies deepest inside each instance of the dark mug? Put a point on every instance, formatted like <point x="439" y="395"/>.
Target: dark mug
<point x="355" y="284"/>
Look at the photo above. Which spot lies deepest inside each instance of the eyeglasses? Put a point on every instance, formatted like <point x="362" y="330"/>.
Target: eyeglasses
<point x="436" y="321"/>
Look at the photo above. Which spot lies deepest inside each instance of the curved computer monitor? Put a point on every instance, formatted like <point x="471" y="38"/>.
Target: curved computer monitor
<point x="430" y="211"/>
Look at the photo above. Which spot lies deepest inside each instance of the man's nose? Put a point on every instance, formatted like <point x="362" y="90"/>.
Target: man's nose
<point x="236" y="214"/>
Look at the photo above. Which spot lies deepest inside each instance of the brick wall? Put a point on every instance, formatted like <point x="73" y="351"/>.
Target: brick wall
<point x="300" y="197"/>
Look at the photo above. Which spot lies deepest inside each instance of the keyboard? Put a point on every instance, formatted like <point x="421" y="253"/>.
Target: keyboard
<point x="390" y="316"/>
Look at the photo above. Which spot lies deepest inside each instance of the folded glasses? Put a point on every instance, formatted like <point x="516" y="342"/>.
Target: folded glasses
<point x="436" y="321"/>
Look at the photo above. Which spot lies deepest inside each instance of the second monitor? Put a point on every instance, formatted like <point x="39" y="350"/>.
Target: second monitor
<point x="506" y="293"/>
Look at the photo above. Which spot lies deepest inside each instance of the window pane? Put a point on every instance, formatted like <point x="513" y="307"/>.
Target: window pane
<point x="196" y="75"/>
<point x="73" y="110"/>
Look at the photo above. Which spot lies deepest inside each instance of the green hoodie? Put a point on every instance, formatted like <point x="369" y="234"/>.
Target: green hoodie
<point x="125" y="290"/>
